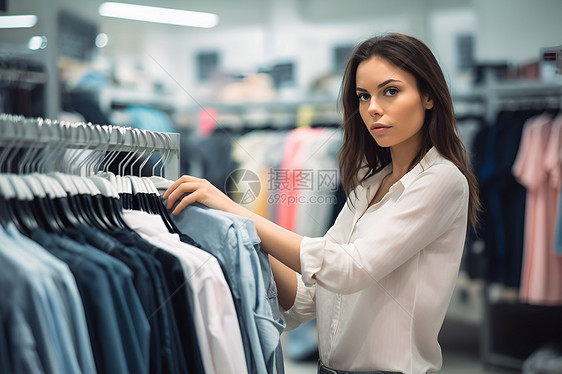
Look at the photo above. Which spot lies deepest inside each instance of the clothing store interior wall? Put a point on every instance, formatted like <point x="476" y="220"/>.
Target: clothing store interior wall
<point x="234" y="89"/>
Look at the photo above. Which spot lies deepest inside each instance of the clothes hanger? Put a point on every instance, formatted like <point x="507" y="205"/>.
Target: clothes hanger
<point x="157" y="202"/>
<point x="68" y="197"/>
<point x="75" y="188"/>
<point x="55" y="198"/>
<point x="59" y="136"/>
<point x="140" y="201"/>
<point x="42" y="199"/>
<point x="108" y="159"/>
<point x="125" y="187"/>
<point x="25" y="204"/>
<point x="14" y="211"/>
<point x="110" y="197"/>
<point x="86" y="199"/>
<point x="7" y="215"/>
<point x="21" y="201"/>
<point x="7" y="192"/>
<point x="98" y="200"/>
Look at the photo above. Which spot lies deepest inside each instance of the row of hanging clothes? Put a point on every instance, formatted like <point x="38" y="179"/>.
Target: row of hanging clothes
<point x="100" y="278"/>
<point x="517" y="161"/>
<point x="517" y="158"/>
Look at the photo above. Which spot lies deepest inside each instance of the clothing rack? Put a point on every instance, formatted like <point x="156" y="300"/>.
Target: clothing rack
<point x="495" y="95"/>
<point x="21" y="132"/>
<point x="507" y="322"/>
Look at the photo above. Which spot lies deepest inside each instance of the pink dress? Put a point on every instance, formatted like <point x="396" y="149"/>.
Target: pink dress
<point x="541" y="276"/>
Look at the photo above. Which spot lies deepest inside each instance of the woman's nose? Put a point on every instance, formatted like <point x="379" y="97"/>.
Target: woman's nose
<point x="374" y="108"/>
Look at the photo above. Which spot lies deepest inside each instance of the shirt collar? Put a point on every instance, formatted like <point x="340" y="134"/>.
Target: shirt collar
<point x="429" y="159"/>
<point x="368" y="188"/>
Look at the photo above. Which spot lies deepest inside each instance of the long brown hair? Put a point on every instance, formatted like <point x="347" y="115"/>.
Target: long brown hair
<point x="439" y="129"/>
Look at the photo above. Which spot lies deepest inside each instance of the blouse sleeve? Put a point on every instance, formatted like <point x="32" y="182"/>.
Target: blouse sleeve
<point x="304" y="307"/>
<point x="422" y="213"/>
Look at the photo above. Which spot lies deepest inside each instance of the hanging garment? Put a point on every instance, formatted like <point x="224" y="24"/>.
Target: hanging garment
<point x="166" y="333"/>
<point x="184" y="344"/>
<point x="217" y="328"/>
<point x="541" y="279"/>
<point x="119" y="329"/>
<point x="39" y="336"/>
<point x="234" y="242"/>
<point x="66" y="284"/>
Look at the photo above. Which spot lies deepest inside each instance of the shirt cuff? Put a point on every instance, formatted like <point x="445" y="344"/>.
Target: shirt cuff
<point x="303" y="309"/>
<point x="312" y="258"/>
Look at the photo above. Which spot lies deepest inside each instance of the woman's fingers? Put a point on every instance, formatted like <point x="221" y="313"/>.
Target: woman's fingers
<point x="191" y="198"/>
<point x="182" y="179"/>
<point x="188" y="190"/>
<point x="174" y="194"/>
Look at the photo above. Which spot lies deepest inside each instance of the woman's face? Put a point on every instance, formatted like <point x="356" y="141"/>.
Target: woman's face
<point x="390" y="104"/>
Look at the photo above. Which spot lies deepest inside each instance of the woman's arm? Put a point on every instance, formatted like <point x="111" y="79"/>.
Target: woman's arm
<point x="282" y="244"/>
<point x="286" y="281"/>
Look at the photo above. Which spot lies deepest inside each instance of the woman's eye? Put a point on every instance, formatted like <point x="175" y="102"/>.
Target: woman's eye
<point x="391" y="92"/>
<point x="363" y="97"/>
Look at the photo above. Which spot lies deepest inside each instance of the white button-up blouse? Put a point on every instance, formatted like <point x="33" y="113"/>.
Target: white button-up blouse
<point x="379" y="283"/>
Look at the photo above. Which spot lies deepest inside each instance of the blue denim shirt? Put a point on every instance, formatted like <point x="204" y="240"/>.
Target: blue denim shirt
<point x="248" y="230"/>
<point x="234" y="242"/>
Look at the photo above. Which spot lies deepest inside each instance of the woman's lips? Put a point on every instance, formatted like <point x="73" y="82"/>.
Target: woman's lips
<point x="379" y="128"/>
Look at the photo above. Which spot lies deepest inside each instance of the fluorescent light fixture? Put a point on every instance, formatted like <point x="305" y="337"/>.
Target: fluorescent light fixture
<point x="158" y="15"/>
<point x="17" y="22"/>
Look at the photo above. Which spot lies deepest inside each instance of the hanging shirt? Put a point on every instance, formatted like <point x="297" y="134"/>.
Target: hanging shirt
<point x="215" y="318"/>
<point x="173" y="360"/>
<point x="380" y="280"/>
<point x="68" y="290"/>
<point x="234" y="242"/>
<point x="25" y="314"/>
<point x="119" y="330"/>
<point x="141" y="279"/>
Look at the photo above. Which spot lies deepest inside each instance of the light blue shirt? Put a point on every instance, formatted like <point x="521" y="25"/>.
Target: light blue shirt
<point x="234" y="242"/>
<point x="248" y="232"/>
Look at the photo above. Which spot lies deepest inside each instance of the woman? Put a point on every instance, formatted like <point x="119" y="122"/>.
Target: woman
<point x="380" y="280"/>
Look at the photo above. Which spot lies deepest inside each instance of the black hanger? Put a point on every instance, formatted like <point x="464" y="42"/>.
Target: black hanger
<point x="114" y="205"/>
<point x="23" y="217"/>
<point x="41" y="204"/>
<point x="97" y="203"/>
<point x="163" y="212"/>
<point x="60" y="203"/>
<point x="46" y="210"/>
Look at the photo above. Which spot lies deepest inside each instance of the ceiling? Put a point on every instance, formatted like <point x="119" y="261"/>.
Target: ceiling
<point x="255" y="12"/>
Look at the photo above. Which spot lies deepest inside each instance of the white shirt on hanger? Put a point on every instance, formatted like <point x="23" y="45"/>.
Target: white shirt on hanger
<point x="216" y="323"/>
<point x="379" y="283"/>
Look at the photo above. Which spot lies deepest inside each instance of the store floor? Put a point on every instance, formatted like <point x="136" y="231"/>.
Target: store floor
<point x="460" y="344"/>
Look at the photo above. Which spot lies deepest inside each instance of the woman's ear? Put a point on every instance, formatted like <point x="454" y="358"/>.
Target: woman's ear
<point x="427" y="102"/>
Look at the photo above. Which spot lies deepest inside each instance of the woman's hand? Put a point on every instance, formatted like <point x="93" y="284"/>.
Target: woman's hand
<point x="275" y="240"/>
<point x="198" y="190"/>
